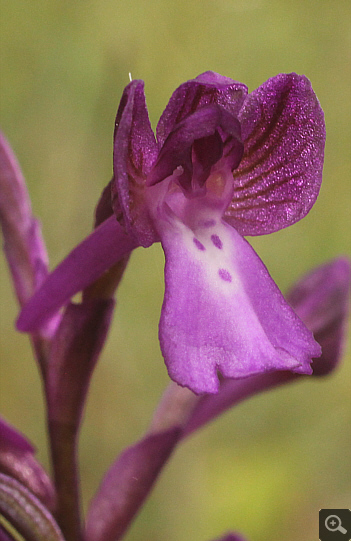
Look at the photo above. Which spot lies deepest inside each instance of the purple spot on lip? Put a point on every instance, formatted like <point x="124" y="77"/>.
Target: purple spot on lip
<point x="217" y="241"/>
<point x="209" y="223"/>
<point x="225" y="275"/>
<point x="198" y="244"/>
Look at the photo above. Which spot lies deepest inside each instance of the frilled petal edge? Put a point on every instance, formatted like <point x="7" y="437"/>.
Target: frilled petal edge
<point x="279" y="177"/>
<point x="106" y="245"/>
<point x="223" y="312"/>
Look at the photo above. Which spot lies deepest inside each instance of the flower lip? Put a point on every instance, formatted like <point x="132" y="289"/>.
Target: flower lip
<point x="196" y="144"/>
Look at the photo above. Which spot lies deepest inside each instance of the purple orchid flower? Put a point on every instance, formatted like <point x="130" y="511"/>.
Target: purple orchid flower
<point x="225" y="164"/>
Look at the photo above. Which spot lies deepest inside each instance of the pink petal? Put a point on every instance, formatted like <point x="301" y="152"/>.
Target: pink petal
<point x="191" y="134"/>
<point x="278" y="179"/>
<point x="135" y="151"/>
<point x="208" y="88"/>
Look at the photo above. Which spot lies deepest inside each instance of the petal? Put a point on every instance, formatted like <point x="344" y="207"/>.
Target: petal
<point x="106" y="245"/>
<point x="222" y="311"/>
<point x="133" y="128"/>
<point x="278" y="179"/>
<point x="127" y="484"/>
<point x="207" y="88"/>
<point x="321" y="300"/>
<point x="135" y="151"/>
<point x="17" y="460"/>
<point x="177" y="149"/>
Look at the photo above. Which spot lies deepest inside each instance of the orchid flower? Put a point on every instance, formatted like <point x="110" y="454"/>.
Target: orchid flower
<point x="223" y="164"/>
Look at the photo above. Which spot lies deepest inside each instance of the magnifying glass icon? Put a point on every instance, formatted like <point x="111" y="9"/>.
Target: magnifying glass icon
<point x="333" y="524"/>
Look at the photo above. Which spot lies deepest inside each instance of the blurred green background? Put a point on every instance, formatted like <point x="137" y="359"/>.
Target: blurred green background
<point x="268" y="466"/>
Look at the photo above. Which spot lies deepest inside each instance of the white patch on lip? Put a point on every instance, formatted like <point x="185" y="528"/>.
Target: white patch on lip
<point x="204" y="235"/>
<point x="212" y="246"/>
